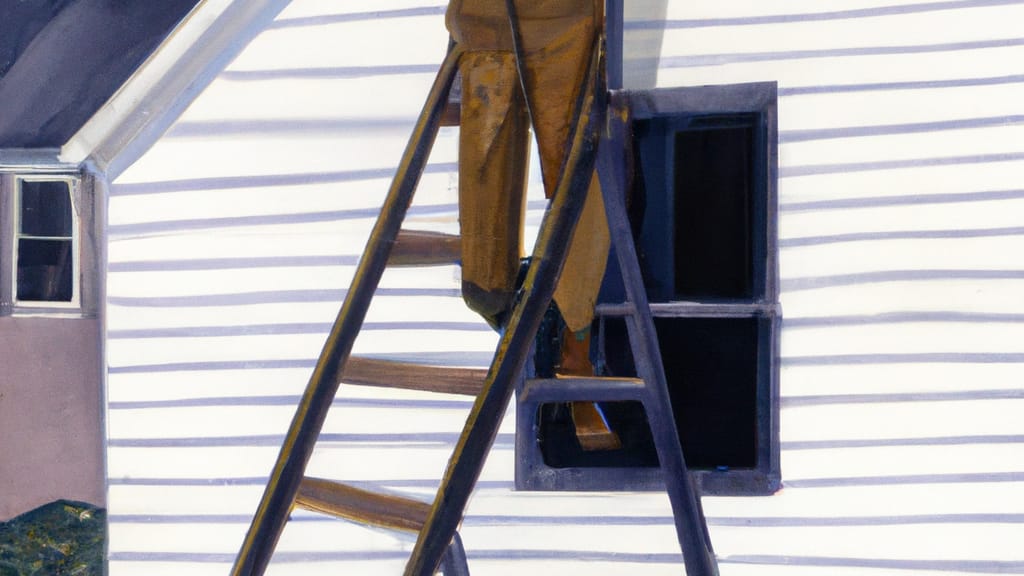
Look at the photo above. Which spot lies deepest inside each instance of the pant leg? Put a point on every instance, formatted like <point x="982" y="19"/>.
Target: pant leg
<point x="493" y="159"/>
<point x="576" y="293"/>
<point x="556" y="73"/>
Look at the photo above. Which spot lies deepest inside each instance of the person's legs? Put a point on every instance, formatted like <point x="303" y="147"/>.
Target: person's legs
<point x="555" y="76"/>
<point x="557" y="39"/>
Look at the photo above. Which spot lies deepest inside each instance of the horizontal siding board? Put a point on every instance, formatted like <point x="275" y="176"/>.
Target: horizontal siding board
<point x="902" y="420"/>
<point x="214" y="184"/>
<point x="951" y="30"/>
<point x="902" y="460"/>
<point x="375" y="15"/>
<point x="867" y="294"/>
<point x="346" y="39"/>
<point x="360" y="7"/>
<point x="937" y="112"/>
<point x="797" y="10"/>
<point x="272" y="348"/>
<point x="908" y="181"/>
<point x="995" y="255"/>
<point x="906" y="382"/>
<point x="991" y="142"/>
<point x="367" y="93"/>
<point x="818" y="69"/>
<point x="964" y="215"/>
<point x="254" y="421"/>
<point x="421" y="466"/>
<point x="907" y="338"/>
<point x="304" y="310"/>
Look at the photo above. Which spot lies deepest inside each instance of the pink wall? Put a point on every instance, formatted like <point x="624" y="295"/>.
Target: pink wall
<point x="51" y="413"/>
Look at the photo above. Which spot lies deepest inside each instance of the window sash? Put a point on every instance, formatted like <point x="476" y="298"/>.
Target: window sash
<point x="71" y="239"/>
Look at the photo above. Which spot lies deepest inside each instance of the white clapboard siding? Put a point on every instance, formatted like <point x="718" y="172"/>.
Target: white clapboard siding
<point x="901" y="141"/>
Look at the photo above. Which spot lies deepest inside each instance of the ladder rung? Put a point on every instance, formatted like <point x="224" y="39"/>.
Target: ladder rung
<point x="422" y="248"/>
<point x="616" y="309"/>
<point x="343" y="501"/>
<point x="391" y="374"/>
<point x="594" y="388"/>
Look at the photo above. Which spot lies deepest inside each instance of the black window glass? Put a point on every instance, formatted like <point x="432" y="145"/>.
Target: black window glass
<point x="711" y="368"/>
<point x="44" y="270"/>
<point x="713" y="193"/>
<point x="45" y="209"/>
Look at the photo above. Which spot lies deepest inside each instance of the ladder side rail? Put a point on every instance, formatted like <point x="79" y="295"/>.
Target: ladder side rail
<point x="691" y="526"/>
<point x="538" y="289"/>
<point x="275" y="505"/>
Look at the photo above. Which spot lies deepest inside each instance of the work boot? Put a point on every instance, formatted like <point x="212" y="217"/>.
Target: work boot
<point x="592" y="429"/>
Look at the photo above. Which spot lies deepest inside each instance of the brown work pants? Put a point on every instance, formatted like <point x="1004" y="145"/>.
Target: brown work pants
<point x="557" y="39"/>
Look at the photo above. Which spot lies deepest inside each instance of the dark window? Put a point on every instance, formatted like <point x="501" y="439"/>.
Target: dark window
<point x="45" y="209"/>
<point x="45" y="242"/>
<point x="702" y="233"/>
<point x="713" y="191"/>
<point x="711" y="366"/>
<point x="704" y="217"/>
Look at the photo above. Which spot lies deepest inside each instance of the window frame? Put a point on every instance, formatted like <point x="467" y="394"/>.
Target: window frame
<point x="676" y="107"/>
<point x="11" y="236"/>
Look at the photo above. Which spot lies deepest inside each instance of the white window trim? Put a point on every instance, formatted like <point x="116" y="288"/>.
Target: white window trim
<point x="36" y="306"/>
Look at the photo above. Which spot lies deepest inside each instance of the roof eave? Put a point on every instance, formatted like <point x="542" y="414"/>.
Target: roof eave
<point x="181" y="67"/>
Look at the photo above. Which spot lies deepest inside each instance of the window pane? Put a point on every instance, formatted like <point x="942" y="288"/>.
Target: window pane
<point x="44" y="270"/>
<point x="711" y="366"/>
<point x="45" y="208"/>
<point x="713" y="204"/>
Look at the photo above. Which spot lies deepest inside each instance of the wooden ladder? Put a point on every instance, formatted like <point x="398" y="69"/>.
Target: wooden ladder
<point x="438" y="544"/>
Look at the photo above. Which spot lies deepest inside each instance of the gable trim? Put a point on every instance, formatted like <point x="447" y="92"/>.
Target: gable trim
<point x="184" y="64"/>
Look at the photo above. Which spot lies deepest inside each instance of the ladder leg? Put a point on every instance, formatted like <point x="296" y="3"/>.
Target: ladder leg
<point x="539" y="287"/>
<point x="273" y="510"/>
<point x="691" y="526"/>
<point x="454" y="562"/>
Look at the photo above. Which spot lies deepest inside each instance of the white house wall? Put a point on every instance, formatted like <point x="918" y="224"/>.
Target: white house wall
<point x="233" y="239"/>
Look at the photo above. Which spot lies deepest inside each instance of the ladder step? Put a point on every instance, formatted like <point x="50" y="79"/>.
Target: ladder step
<point x="351" y="503"/>
<point x="391" y="374"/>
<point x="422" y="248"/>
<point x="575" y="388"/>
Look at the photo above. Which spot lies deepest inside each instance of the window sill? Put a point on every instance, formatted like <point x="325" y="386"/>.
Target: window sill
<point x="71" y="311"/>
<point x="533" y="475"/>
<point x="687" y="309"/>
